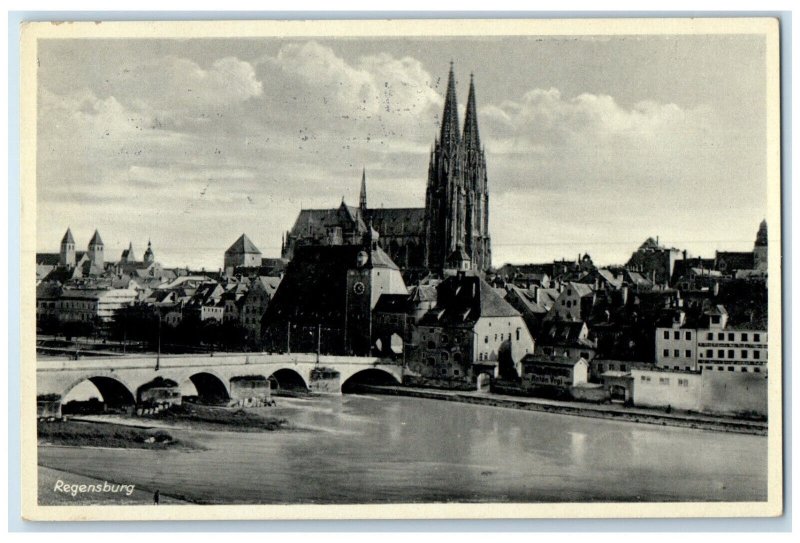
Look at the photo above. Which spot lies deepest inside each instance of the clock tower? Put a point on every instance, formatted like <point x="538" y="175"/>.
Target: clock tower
<point x="371" y="274"/>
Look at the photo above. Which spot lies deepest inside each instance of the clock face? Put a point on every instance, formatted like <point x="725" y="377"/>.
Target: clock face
<point x="359" y="288"/>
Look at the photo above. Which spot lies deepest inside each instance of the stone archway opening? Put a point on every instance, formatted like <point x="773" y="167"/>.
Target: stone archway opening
<point x="98" y="394"/>
<point x="371" y="376"/>
<point x="483" y="382"/>
<point x="208" y="388"/>
<point x="159" y="391"/>
<point x="287" y="380"/>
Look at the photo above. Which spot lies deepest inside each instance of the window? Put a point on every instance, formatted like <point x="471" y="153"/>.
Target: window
<point x="709" y="367"/>
<point x="666" y="353"/>
<point x="757" y="370"/>
<point x="569" y="304"/>
<point x="757" y="337"/>
<point x="444" y="339"/>
<point x="731" y="336"/>
<point x="731" y="353"/>
<point x="688" y="335"/>
<point x="517" y="334"/>
<point x="666" y="334"/>
<point x="456" y="372"/>
<point x="721" y="368"/>
<point x="431" y="344"/>
<point x="715" y="319"/>
<point x="683" y="382"/>
<point x="445" y="355"/>
<point x="663" y="380"/>
<point x="676" y="353"/>
<point x="644" y="378"/>
<point x="721" y="336"/>
<point x="623" y="367"/>
<point x="757" y="355"/>
<point x="676" y="334"/>
<point x="688" y="353"/>
<point x="744" y="370"/>
<point x="730" y="368"/>
<point x="744" y="353"/>
<point x="569" y="292"/>
<point x="744" y="337"/>
<point x="486" y="339"/>
<point x="710" y="336"/>
<point x="676" y="368"/>
<point x="709" y="353"/>
<point x="720" y="354"/>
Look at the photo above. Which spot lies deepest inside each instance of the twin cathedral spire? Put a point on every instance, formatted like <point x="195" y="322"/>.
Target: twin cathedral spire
<point x="457" y="197"/>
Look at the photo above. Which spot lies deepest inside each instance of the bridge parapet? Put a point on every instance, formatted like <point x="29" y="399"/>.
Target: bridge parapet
<point x="58" y="377"/>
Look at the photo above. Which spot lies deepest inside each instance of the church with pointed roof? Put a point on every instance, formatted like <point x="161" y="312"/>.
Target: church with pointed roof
<point x="454" y="224"/>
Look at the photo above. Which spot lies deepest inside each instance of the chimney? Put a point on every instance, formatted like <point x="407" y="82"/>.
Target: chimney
<point x="684" y="254"/>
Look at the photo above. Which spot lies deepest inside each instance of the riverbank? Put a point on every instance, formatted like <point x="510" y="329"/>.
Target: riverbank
<point x="219" y="418"/>
<point x="581" y="409"/>
<point x="86" y="433"/>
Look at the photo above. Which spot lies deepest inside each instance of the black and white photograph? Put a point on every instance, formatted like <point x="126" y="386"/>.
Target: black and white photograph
<point x="401" y="269"/>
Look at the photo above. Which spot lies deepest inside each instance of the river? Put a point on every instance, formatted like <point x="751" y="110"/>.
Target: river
<point x="386" y="449"/>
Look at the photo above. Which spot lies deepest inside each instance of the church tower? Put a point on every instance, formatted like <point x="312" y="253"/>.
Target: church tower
<point x="760" y="247"/>
<point x="362" y="197"/>
<point x="67" y="252"/>
<point x="457" y="197"/>
<point x="96" y="250"/>
<point x="149" y="257"/>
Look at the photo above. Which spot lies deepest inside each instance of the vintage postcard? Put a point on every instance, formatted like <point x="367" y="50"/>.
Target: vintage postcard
<point x="401" y="269"/>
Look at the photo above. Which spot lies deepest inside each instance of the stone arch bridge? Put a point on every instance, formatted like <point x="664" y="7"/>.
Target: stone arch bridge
<point x="122" y="380"/>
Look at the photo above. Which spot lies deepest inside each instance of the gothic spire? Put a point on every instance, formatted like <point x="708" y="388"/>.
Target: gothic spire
<point x="471" y="137"/>
<point x="450" y="133"/>
<point x="362" y="199"/>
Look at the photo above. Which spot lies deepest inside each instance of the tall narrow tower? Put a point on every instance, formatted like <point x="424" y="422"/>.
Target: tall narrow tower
<point x="149" y="257"/>
<point x="760" y="248"/>
<point x="67" y="252"/>
<point x="477" y="242"/>
<point x="96" y="250"/>
<point x="457" y="198"/>
<point x="362" y="197"/>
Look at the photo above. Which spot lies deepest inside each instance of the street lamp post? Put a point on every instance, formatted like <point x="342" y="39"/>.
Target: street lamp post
<point x="158" y="352"/>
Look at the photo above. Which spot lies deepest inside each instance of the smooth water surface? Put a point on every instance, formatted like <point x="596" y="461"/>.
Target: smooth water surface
<point x="361" y="449"/>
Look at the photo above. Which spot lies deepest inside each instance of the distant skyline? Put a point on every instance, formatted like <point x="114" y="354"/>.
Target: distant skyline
<point x="593" y="144"/>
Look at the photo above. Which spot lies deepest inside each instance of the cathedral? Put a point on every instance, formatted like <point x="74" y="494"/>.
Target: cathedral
<point x="453" y="225"/>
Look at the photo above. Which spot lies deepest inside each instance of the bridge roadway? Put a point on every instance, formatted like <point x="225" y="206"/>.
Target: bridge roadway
<point x="120" y="380"/>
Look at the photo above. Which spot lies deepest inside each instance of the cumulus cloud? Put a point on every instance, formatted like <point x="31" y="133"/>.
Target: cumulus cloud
<point x="197" y="153"/>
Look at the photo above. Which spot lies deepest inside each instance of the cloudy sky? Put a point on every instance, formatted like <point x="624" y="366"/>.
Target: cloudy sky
<point x="593" y="144"/>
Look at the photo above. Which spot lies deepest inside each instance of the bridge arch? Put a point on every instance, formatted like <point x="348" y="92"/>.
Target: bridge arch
<point x="368" y="376"/>
<point x="287" y="378"/>
<point x="115" y="393"/>
<point x="157" y="382"/>
<point x="211" y="388"/>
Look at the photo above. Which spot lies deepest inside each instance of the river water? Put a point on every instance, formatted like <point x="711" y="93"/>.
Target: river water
<point x="384" y="449"/>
